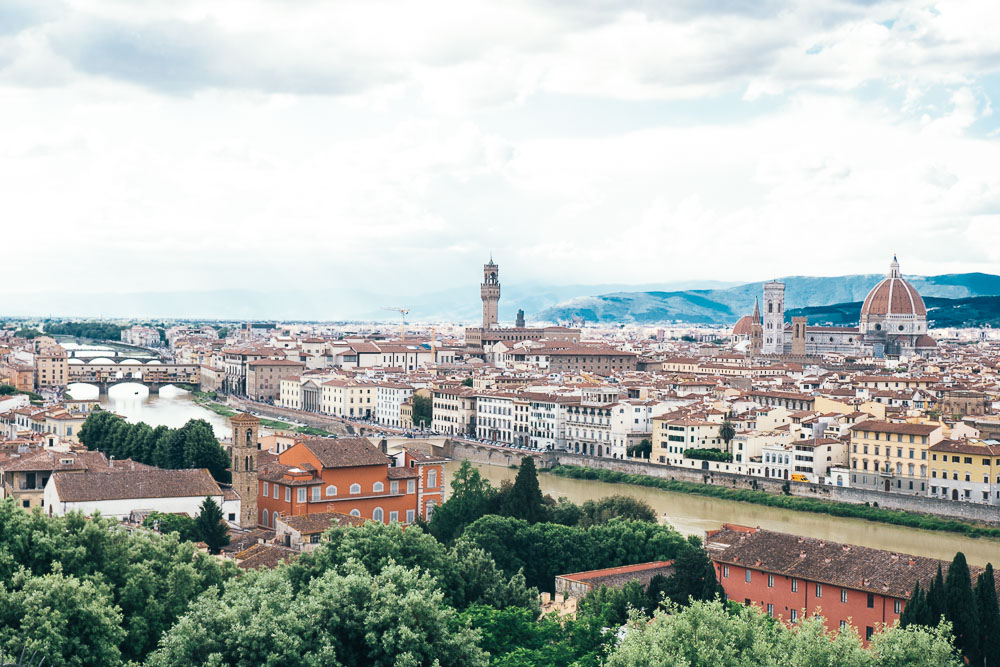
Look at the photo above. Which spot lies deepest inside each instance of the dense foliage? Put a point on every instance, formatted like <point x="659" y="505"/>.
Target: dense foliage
<point x="971" y="611"/>
<point x="833" y="508"/>
<point x="712" y="634"/>
<point x="422" y="411"/>
<point x="10" y="390"/>
<point x="92" y="330"/>
<point x="191" y="446"/>
<point x="85" y="592"/>
<point x="713" y="454"/>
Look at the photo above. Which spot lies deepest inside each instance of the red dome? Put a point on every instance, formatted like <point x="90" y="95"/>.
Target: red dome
<point x="893" y="296"/>
<point x="742" y="327"/>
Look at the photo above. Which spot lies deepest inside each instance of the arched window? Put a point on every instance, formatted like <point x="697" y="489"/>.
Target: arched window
<point x="378" y="487"/>
<point x="378" y="515"/>
<point x="355" y="488"/>
<point x="356" y="512"/>
<point x="770" y="307"/>
<point x="263" y="518"/>
<point x="331" y="490"/>
<point x="249" y="442"/>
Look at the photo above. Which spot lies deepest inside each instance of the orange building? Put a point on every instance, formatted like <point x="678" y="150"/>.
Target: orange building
<point x="351" y="476"/>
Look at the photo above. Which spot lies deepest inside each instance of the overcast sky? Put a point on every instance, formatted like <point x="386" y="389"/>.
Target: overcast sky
<point x="194" y="145"/>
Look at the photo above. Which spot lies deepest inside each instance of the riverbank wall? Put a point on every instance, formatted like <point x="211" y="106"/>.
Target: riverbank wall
<point x="494" y="456"/>
<point x="331" y="424"/>
<point x="989" y="514"/>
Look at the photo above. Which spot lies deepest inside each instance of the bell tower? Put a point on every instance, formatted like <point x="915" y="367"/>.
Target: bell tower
<point x="774" y="317"/>
<point x="244" y="465"/>
<point x="490" y="292"/>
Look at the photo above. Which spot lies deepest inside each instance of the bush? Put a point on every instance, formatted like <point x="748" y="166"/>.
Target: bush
<point x="708" y="455"/>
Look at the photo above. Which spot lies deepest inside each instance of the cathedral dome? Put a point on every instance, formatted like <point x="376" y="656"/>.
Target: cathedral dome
<point x="743" y="325"/>
<point x="893" y="296"/>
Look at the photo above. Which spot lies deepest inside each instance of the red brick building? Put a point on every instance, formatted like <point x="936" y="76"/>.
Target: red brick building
<point x="351" y="476"/>
<point x="787" y="575"/>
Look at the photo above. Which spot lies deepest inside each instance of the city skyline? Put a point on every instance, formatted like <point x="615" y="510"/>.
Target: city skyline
<point x="180" y="147"/>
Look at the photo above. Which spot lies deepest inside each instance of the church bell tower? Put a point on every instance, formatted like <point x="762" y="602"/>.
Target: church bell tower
<point x="490" y="292"/>
<point x="244" y="465"/>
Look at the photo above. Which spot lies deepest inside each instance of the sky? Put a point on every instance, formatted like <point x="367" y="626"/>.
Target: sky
<point x="191" y="145"/>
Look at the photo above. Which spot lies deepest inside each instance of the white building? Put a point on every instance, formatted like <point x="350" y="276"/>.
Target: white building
<point x="389" y="396"/>
<point x="120" y="493"/>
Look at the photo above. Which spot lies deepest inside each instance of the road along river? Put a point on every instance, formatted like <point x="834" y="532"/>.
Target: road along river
<point x="693" y="515"/>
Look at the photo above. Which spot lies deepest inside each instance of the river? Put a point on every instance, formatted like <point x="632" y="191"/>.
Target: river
<point x="172" y="407"/>
<point x="693" y="515"/>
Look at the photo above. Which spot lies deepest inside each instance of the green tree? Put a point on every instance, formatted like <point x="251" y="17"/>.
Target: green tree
<point x="915" y="645"/>
<point x="184" y="526"/>
<point x="916" y="611"/>
<point x="643" y="449"/>
<point x="525" y="498"/>
<point x="727" y="432"/>
<point x="937" y="605"/>
<point x="610" y="507"/>
<point x="656" y="592"/>
<point x="422" y="411"/>
<point x="467" y="382"/>
<point x="989" y="618"/>
<point x="960" y="603"/>
<point x="470" y="498"/>
<point x="693" y="577"/>
<point x="210" y="527"/>
<point x="69" y="621"/>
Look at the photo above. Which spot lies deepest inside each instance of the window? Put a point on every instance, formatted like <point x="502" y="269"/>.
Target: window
<point x="432" y="479"/>
<point x="843" y="625"/>
<point x="356" y="512"/>
<point x="314" y="538"/>
<point x="897" y="606"/>
<point x="770" y="610"/>
<point x="793" y="615"/>
<point x="265" y="490"/>
<point x="411" y="486"/>
<point x="409" y="516"/>
<point x="869" y="631"/>
<point x="315" y="493"/>
<point x="393" y="517"/>
<point x="819" y="590"/>
<point x="871" y="601"/>
<point x="288" y="494"/>
<point x="355" y="489"/>
<point x="331" y="490"/>
<point x="843" y="595"/>
<point x="748" y="576"/>
<point x="795" y="585"/>
<point x="770" y="581"/>
<point x="378" y="487"/>
<point x="394" y="487"/>
<point x="725" y="571"/>
<point x="378" y="514"/>
<point x="263" y="518"/>
<point x="275" y="491"/>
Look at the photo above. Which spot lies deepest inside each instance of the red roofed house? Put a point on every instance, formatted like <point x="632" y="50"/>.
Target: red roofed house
<point x="350" y="476"/>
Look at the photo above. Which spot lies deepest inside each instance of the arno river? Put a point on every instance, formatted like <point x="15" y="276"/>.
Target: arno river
<point x="689" y="514"/>
<point x="693" y="515"/>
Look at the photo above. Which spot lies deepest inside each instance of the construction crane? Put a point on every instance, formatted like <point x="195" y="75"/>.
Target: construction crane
<point x="402" y="320"/>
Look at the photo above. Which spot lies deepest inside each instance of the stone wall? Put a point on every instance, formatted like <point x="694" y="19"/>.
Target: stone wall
<point x="495" y="456"/>
<point x="945" y="508"/>
<point x="331" y="424"/>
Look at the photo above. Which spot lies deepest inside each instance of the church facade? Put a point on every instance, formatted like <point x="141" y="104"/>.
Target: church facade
<point x="892" y="322"/>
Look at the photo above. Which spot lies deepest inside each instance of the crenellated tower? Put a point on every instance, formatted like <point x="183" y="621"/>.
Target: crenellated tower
<point x="490" y="292"/>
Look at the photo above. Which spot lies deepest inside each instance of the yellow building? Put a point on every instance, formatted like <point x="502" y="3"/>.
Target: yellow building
<point x="344" y="398"/>
<point x="965" y="470"/>
<point x="892" y="456"/>
<point x="51" y="367"/>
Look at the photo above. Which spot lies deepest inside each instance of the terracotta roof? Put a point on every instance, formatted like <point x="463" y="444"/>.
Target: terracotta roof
<point x="893" y="296"/>
<point x="244" y="418"/>
<point x="610" y="571"/>
<point x="966" y="447"/>
<point x="345" y="452"/>
<point x="402" y="472"/>
<point x="894" y="427"/>
<point x="127" y="484"/>
<point x="308" y="524"/>
<point x="845" y="565"/>
<point x="264" y="555"/>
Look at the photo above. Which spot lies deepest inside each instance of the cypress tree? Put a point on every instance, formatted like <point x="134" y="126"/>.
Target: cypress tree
<point x="525" y="498"/>
<point x="209" y="527"/>
<point x="960" y="605"/>
<point x="935" y="602"/>
<point x="989" y="618"/>
<point x="914" y="611"/>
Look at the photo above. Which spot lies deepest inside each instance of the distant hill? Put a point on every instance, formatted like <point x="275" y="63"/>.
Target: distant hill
<point x="974" y="311"/>
<point x="725" y="306"/>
